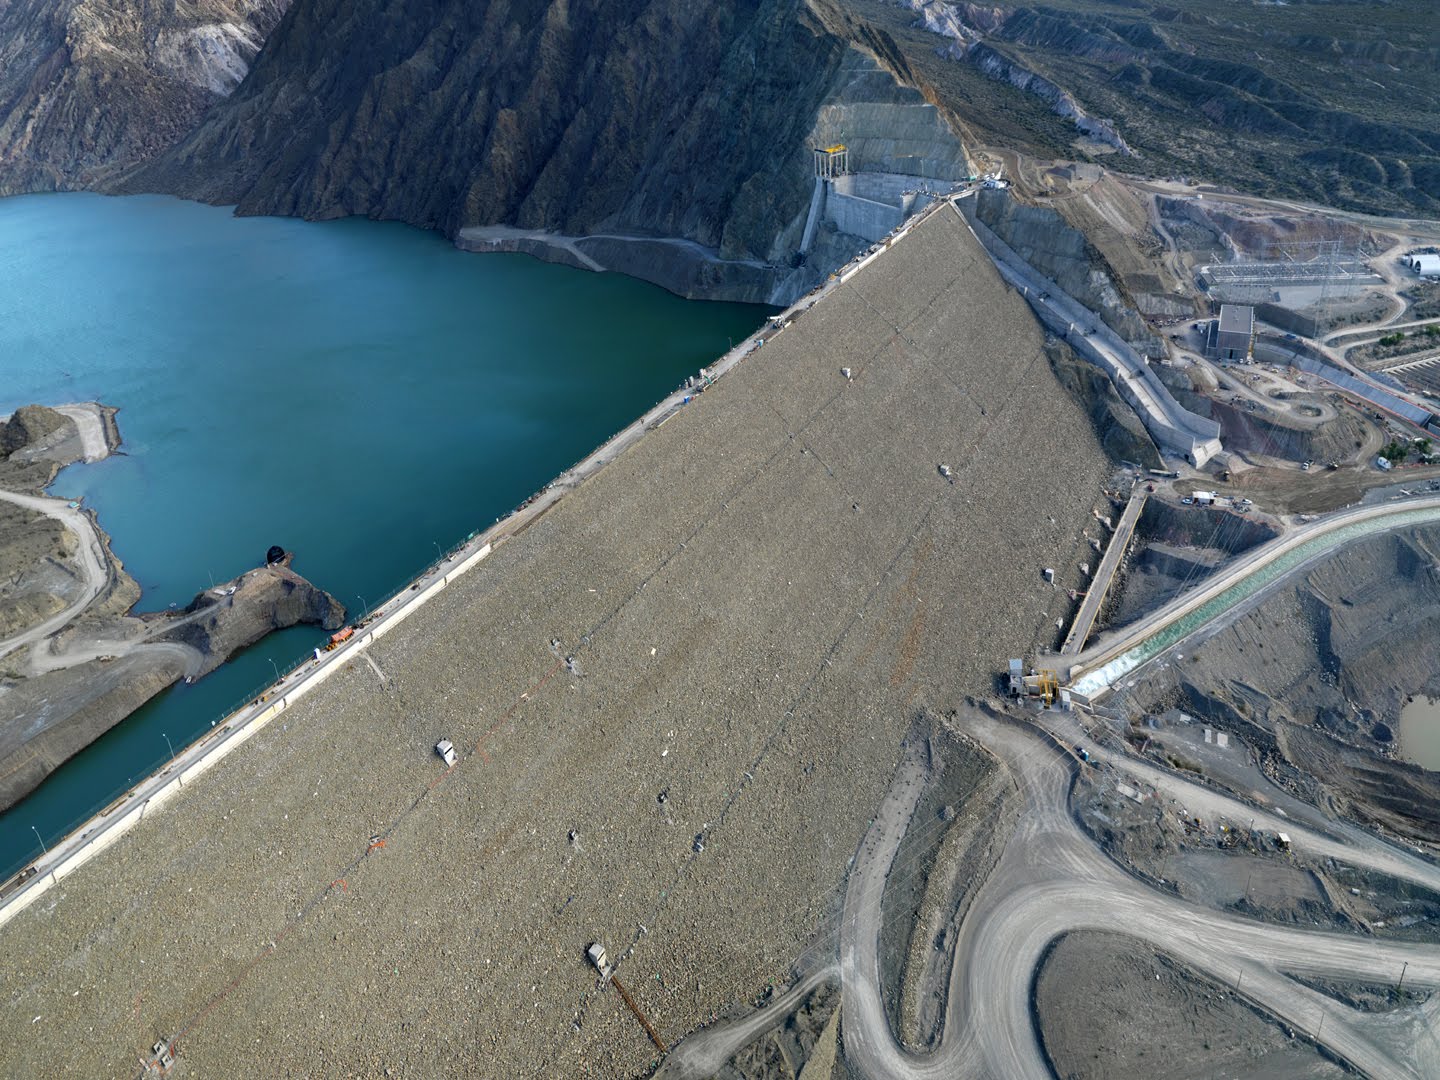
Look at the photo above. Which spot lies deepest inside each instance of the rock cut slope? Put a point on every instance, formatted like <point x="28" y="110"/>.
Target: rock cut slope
<point x="641" y="117"/>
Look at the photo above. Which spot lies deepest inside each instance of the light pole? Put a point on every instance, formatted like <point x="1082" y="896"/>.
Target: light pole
<point x="169" y="744"/>
<point x="274" y="667"/>
<point x="364" y="607"/>
<point x="46" y="851"/>
<point x="440" y="554"/>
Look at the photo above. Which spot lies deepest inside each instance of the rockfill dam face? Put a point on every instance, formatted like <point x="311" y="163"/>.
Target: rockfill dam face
<point x="678" y="698"/>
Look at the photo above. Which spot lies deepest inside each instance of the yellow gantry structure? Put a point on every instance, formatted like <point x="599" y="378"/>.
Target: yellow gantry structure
<point x="831" y="161"/>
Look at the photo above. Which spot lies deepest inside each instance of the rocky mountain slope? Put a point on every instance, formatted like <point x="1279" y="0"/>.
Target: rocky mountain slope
<point x="1332" y="101"/>
<point x="645" y="117"/>
<point x="91" y="88"/>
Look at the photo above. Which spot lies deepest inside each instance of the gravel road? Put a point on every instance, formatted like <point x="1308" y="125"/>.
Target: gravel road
<point x="1052" y="880"/>
<point x="90" y="557"/>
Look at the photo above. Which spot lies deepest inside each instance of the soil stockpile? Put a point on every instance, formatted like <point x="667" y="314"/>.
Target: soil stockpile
<point x="679" y="697"/>
<point x="1111" y="1008"/>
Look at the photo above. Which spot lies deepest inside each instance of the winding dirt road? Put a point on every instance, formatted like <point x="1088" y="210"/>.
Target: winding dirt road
<point x="1052" y="879"/>
<point x="90" y="559"/>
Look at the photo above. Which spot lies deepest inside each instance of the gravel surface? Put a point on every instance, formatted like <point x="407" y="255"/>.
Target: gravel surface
<point x="754" y="602"/>
<point x="1111" y="1008"/>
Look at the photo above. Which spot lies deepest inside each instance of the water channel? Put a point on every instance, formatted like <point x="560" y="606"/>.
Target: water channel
<point x="361" y="393"/>
<point x="1096" y="682"/>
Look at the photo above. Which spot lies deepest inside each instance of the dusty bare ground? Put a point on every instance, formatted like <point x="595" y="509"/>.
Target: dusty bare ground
<point x="1225" y="864"/>
<point x="1288" y="490"/>
<point x="1111" y="1008"/>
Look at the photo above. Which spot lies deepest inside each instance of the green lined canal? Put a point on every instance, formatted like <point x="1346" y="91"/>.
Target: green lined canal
<point x="1102" y="678"/>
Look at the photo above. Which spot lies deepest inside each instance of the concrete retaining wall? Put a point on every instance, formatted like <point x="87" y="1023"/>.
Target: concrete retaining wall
<point x="864" y="218"/>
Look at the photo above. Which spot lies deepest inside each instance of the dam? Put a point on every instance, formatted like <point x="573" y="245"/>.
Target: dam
<point x="678" y="696"/>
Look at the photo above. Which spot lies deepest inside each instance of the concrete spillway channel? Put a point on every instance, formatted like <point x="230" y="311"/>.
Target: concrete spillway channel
<point x="1175" y="429"/>
<point x="1100" y="586"/>
<point x="1094" y="673"/>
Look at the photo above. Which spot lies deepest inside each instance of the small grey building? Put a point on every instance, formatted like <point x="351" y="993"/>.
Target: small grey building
<point x="1232" y="335"/>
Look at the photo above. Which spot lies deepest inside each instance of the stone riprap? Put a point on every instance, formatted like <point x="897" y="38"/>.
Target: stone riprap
<point x="679" y="696"/>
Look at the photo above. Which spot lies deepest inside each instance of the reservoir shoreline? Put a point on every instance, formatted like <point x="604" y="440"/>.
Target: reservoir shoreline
<point x="397" y="395"/>
<point x="91" y="837"/>
<point x="70" y="676"/>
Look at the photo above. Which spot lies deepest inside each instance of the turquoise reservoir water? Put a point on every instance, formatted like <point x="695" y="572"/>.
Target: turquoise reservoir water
<point x="361" y="393"/>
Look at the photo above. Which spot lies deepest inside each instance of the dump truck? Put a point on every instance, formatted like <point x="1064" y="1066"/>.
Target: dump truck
<point x="339" y="638"/>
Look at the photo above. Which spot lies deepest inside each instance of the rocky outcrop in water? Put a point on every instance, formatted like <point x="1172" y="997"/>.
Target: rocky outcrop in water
<point x="50" y="716"/>
<point x="221" y="621"/>
<point x="89" y="89"/>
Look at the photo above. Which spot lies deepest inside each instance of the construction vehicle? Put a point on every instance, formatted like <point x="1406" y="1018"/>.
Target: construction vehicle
<point x="1042" y="684"/>
<point x="338" y="639"/>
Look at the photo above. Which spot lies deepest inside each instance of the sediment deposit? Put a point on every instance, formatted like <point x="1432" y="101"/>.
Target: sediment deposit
<point x="680" y="695"/>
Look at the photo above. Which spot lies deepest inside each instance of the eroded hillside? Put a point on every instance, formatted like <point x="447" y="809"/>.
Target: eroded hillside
<point x="89" y="89"/>
<point x="1331" y="101"/>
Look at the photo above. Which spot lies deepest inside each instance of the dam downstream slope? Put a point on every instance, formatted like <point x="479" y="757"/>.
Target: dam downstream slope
<point x="681" y="693"/>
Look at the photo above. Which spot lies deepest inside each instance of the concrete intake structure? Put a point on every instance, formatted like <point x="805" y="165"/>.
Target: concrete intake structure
<point x="1175" y="429"/>
<point x="677" y="698"/>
